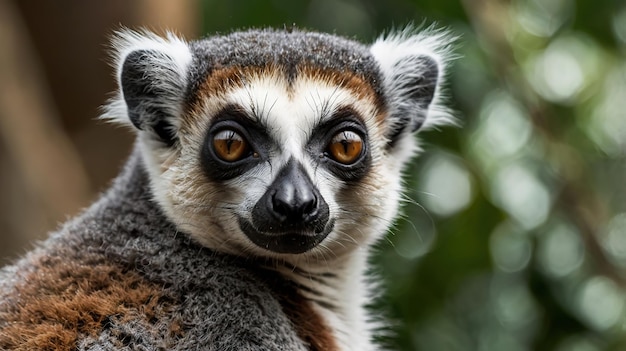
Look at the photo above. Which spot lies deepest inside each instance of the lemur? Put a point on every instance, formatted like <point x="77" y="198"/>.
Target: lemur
<point x="267" y="164"/>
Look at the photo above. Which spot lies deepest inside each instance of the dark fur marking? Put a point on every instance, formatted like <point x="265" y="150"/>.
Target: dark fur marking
<point x="308" y="274"/>
<point x="419" y="93"/>
<point x="144" y="92"/>
<point x="309" y="324"/>
<point x="327" y="305"/>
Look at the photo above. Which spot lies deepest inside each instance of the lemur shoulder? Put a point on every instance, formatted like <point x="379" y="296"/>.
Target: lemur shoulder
<point x="267" y="163"/>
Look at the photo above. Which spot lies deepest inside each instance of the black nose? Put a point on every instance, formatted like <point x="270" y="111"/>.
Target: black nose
<point x="294" y="198"/>
<point x="292" y="216"/>
<point x="292" y="203"/>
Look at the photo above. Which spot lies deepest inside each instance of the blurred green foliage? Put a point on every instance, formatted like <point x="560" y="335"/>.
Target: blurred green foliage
<point x="514" y="233"/>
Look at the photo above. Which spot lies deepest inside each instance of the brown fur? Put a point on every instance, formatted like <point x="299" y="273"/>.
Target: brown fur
<point x="63" y="300"/>
<point x="347" y="80"/>
<point x="309" y="324"/>
<point x="222" y="80"/>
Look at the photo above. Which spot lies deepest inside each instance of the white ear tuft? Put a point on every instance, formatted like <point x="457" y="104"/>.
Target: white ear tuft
<point x="161" y="65"/>
<point x="414" y="64"/>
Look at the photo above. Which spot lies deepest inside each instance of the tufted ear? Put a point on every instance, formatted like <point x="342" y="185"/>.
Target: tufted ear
<point x="412" y="65"/>
<point x="152" y="77"/>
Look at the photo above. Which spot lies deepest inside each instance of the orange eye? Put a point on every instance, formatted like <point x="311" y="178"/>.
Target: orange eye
<point x="346" y="147"/>
<point x="230" y="146"/>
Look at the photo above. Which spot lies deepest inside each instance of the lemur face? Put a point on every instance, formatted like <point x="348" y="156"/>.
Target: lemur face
<point x="290" y="152"/>
<point x="274" y="143"/>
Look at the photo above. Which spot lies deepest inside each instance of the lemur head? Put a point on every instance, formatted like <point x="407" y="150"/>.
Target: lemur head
<point x="279" y="144"/>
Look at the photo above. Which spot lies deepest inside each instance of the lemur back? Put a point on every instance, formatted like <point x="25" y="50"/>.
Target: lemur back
<point x="267" y="163"/>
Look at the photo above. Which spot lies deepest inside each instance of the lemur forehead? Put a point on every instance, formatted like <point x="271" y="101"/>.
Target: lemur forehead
<point x="287" y="50"/>
<point x="223" y="80"/>
<point x="311" y="96"/>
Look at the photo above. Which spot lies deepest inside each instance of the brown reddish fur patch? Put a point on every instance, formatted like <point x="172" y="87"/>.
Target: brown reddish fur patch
<point x="345" y="79"/>
<point x="221" y="80"/>
<point x="224" y="79"/>
<point x="62" y="300"/>
<point x="217" y="84"/>
<point x="309" y="324"/>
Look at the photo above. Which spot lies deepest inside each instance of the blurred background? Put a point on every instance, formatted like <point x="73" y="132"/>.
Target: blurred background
<point x="514" y="233"/>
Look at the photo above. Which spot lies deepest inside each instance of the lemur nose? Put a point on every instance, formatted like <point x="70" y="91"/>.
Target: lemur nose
<point x="292" y="204"/>
<point x="291" y="216"/>
<point x="294" y="199"/>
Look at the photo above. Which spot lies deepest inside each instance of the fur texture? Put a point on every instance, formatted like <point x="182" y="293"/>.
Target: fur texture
<point x="120" y="276"/>
<point x="169" y="257"/>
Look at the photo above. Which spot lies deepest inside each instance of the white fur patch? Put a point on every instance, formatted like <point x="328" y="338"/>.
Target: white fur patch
<point x="173" y="53"/>
<point x="392" y="48"/>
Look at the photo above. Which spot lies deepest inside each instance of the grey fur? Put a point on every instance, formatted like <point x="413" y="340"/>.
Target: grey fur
<point x="284" y="48"/>
<point x="226" y="303"/>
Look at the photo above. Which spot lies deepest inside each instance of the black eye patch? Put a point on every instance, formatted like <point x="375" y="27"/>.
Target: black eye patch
<point x="345" y="126"/>
<point x="233" y="119"/>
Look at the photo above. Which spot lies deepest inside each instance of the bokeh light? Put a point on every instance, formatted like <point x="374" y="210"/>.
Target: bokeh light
<point x="601" y="303"/>
<point x="445" y="184"/>
<point x="511" y="247"/>
<point x="614" y="239"/>
<point x="561" y="250"/>
<point x="522" y="194"/>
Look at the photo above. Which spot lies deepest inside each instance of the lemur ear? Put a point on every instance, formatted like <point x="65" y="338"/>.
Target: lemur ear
<point x="413" y="65"/>
<point x="152" y="78"/>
